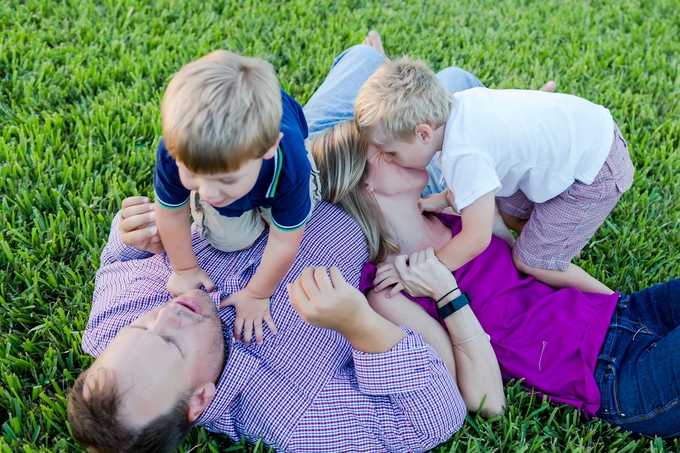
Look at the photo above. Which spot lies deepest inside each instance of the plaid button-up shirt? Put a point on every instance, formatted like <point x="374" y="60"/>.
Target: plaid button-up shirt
<point x="306" y="388"/>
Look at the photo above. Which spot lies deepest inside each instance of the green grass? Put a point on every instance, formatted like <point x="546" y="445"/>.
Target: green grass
<point x="80" y="84"/>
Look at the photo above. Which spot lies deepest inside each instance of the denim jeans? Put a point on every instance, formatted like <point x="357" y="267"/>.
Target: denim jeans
<point x="638" y="369"/>
<point x="333" y="102"/>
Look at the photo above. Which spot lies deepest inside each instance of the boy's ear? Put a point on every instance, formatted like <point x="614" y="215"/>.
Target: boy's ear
<point x="271" y="152"/>
<point x="424" y="133"/>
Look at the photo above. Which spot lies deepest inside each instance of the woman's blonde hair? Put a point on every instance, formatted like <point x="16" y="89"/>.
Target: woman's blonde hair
<point x="340" y="155"/>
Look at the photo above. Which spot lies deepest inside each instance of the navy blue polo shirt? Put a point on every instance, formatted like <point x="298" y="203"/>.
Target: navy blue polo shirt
<point x="282" y="185"/>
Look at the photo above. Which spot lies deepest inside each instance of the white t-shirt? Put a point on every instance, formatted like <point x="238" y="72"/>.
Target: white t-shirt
<point x="504" y="140"/>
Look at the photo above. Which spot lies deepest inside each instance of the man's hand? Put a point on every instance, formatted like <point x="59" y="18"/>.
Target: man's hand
<point x="335" y="304"/>
<point x="137" y="225"/>
<point x="329" y="303"/>
<point x="386" y="276"/>
<point x="251" y="312"/>
<point x="184" y="281"/>
<point x="424" y="275"/>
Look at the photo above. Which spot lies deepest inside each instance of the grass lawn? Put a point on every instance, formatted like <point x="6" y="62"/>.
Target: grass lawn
<point x="80" y="88"/>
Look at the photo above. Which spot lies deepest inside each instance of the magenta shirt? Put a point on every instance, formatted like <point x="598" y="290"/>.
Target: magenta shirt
<point x="550" y="338"/>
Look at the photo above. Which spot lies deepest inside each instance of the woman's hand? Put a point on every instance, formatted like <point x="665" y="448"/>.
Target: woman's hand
<point x="424" y="275"/>
<point x="137" y="225"/>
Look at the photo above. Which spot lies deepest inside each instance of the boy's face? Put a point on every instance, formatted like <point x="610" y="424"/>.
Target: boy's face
<point x="222" y="189"/>
<point x="406" y="154"/>
<point x="415" y="153"/>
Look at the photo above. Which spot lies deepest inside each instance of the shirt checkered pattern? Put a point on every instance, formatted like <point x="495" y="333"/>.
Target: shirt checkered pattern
<point x="304" y="389"/>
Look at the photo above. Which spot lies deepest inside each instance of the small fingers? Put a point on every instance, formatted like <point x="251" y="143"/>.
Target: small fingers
<point x="248" y="330"/>
<point x="238" y="328"/>
<point x="386" y="283"/>
<point x="258" y="331"/>
<point x="270" y="323"/>
<point x="394" y="291"/>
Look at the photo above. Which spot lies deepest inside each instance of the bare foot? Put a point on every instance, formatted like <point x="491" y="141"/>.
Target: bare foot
<point x="373" y="40"/>
<point x="549" y="87"/>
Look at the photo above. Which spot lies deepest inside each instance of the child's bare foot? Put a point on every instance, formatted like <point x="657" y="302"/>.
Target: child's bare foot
<point x="548" y="87"/>
<point x="373" y="40"/>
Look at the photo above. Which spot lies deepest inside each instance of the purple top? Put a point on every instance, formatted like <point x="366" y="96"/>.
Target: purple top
<point x="550" y="338"/>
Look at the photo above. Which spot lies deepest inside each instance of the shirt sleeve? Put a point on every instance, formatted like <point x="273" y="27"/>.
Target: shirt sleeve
<point x="291" y="209"/>
<point x="168" y="188"/>
<point x="406" y="395"/>
<point x="469" y="176"/>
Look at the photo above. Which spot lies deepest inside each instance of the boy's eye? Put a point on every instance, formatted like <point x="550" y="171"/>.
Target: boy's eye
<point x="227" y="181"/>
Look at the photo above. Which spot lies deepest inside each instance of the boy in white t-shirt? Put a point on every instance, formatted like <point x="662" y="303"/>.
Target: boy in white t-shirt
<point x="556" y="164"/>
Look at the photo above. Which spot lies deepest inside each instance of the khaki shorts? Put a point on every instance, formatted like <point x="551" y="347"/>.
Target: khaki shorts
<point x="231" y="234"/>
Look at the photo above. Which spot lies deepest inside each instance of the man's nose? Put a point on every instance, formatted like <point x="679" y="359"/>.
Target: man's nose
<point x="167" y="319"/>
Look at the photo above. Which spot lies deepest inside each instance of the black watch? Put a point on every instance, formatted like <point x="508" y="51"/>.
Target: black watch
<point x="453" y="306"/>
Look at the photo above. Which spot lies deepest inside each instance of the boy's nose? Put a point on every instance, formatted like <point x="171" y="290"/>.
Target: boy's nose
<point x="208" y="191"/>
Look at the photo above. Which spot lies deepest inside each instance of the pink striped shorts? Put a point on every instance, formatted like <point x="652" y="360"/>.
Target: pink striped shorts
<point x="559" y="228"/>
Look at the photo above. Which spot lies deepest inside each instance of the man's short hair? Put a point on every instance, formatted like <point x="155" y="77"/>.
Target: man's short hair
<point x="96" y="423"/>
<point x="220" y="111"/>
<point x="399" y="96"/>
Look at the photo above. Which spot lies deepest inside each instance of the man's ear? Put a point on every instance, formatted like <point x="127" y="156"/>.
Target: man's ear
<point x="200" y="400"/>
<point x="424" y="133"/>
<point x="271" y="152"/>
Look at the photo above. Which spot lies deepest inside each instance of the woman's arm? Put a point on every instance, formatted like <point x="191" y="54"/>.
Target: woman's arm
<point x="476" y="367"/>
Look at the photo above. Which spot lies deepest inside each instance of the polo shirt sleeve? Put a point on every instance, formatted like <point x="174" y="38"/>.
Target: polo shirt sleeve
<point x="170" y="193"/>
<point x="292" y="203"/>
<point x="469" y="176"/>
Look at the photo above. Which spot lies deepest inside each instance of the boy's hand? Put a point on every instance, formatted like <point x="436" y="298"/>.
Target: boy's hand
<point x="437" y="202"/>
<point x="183" y="281"/>
<point x="387" y="275"/>
<point x="251" y="312"/>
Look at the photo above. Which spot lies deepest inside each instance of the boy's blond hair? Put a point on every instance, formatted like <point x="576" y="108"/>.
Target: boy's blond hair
<point x="399" y="96"/>
<point x="220" y="111"/>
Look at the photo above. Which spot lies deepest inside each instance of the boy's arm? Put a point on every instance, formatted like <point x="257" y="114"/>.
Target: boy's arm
<point x="174" y="227"/>
<point x="252" y="302"/>
<point x="475" y="236"/>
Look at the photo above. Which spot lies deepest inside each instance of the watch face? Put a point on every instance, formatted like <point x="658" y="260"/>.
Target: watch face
<point x="456" y="304"/>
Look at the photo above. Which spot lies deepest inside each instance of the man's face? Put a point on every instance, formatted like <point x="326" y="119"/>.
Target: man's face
<point x="222" y="189"/>
<point x="168" y="352"/>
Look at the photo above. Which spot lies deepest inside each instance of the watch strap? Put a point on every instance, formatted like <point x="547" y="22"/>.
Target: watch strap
<point x="456" y="304"/>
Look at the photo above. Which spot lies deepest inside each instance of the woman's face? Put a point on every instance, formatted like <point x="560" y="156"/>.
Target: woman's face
<point x="389" y="179"/>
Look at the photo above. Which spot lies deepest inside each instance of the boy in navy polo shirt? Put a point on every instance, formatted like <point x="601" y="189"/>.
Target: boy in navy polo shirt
<point x="233" y="153"/>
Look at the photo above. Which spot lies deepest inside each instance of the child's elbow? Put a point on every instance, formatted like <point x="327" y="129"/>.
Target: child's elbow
<point x="480" y="243"/>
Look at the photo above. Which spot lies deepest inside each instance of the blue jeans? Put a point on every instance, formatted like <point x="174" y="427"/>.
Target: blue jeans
<point x="638" y="369"/>
<point x="333" y="102"/>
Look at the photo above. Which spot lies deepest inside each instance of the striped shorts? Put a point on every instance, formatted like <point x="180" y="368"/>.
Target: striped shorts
<point x="559" y="228"/>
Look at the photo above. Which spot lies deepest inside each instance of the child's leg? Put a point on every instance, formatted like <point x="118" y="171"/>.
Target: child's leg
<point x="559" y="228"/>
<point x="515" y="210"/>
<point x="333" y="102"/>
